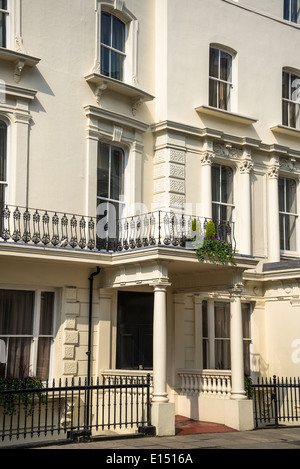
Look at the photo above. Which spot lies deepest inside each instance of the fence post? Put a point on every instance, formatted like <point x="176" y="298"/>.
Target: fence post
<point x="274" y="398"/>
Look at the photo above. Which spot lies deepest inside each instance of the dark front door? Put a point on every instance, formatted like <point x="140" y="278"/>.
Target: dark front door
<point x="135" y="330"/>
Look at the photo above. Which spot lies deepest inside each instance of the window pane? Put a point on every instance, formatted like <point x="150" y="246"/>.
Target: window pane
<point x="214" y="63"/>
<point x="43" y="358"/>
<point x="285" y="113"/>
<point x="291" y="205"/>
<point x="213" y="93"/>
<point x="225" y="66"/>
<point x="224" y="96"/>
<point x="294" y="11"/>
<point x="116" y="65"/>
<point x="46" y="315"/>
<point x="222" y="320"/>
<point x="16" y="312"/>
<point x="216" y="194"/>
<point x="106" y="29"/>
<point x="286" y="10"/>
<point x="105" y="53"/>
<point x="3" y="4"/>
<point x="117" y="173"/>
<point x="103" y="171"/>
<point x="222" y="355"/>
<point x="281" y="194"/>
<point x="285" y="85"/>
<point x="290" y="227"/>
<point x="226" y="185"/>
<point x="3" y="150"/>
<point x="118" y="40"/>
<point x="2" y="29"/>
<point x="18" y="361"/>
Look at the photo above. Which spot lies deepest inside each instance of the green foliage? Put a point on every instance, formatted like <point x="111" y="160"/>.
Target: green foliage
<point x="217" y="252"/>
<point x="210" y="230"/>
<point x="248" y="388"/>
<point x="14" y="391"/>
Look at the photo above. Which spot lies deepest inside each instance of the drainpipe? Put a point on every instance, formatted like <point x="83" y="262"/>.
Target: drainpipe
<point x="91" y="280"/>
<point x="87" y="431"/>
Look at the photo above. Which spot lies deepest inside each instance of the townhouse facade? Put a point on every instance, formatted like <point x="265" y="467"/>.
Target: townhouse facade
<point x="122" y="122"/>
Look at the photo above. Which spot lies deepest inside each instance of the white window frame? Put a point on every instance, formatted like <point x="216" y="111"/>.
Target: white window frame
<point x="287" y="4"/>
<point x="230" y="104"/>
<point x="118" y="9"/>
<point x="293" y="99"/>
<point x="112" y="49"/>
<point x="210" y="339"/>
<point x="286" y="214"/>
<point x="7" y="24"/>
<point x="36" y="322"/>
<point x="223" y="204"/>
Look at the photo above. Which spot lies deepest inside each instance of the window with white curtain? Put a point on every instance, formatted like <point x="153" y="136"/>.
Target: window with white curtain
<point x="216" y="331"/>
<point x="220" y="79"/>
<point x="222" y="193"/>
<point x="4" y="19"/>
<point x="287" y="190"/>
<point x="112" y="46"/>
<point x="291" y="10"/>
<point x="26" y="333"/>
<point x="291" y="99"/>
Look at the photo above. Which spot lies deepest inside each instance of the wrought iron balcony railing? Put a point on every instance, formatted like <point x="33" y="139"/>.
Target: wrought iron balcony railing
<point x="19" y="225"/>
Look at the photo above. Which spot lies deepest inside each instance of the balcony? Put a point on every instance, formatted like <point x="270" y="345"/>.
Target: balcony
<point x="43" y="228"/>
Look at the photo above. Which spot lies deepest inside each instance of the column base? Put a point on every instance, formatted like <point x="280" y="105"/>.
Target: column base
<point x="163" y="418"/>
<point x="239" y="414"/>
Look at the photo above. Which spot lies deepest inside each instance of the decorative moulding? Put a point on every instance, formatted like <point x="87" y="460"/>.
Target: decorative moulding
<point x="220" y="113"/>
<point x="102" y="83"/>
<point x="20" y="60"/>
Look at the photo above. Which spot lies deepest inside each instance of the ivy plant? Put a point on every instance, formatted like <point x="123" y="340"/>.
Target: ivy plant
<point x="215" y="250"/>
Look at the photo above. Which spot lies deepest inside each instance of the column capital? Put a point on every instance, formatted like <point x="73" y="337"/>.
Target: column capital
<point x="207" y="158"/>
<point x="160" y="286"/>
<point x="236" y="290"/>
<point x="245" y="166"/>
<point x="273" y="172"/>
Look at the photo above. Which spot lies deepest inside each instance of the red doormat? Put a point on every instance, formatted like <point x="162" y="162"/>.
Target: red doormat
<point x="186" y="426"/>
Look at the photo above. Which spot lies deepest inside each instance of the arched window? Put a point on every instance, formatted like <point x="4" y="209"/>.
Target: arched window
<point x="3" y="162"/>
<point x="112" y="46"/>
<point x="220" y="79"/>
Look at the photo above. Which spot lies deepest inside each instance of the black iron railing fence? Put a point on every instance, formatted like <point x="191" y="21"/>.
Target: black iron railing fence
<point x="21" y="225"/>
<point x="276" y="400"/>
<point x="75" y="409"/>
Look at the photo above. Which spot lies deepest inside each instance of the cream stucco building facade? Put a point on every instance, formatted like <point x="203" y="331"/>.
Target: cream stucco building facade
<point x="151" y="112"/>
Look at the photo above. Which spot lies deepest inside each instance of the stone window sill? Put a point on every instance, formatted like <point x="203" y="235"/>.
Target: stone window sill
<point x="227" y="115"/>
<point x="20" y="60"/>
<point x="102" y="83"/>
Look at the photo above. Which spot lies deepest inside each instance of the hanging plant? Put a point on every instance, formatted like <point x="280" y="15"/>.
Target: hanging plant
<point x="213" y="249"/>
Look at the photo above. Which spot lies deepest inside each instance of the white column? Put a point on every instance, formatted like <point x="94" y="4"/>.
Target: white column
<point x="273" y="214"/>
<point x="244" y="242"/>
<point x="160" y="344"/>
<point x="236" y="344"/>
<point x="206" y="195"/>
<point x="162" y="411"/>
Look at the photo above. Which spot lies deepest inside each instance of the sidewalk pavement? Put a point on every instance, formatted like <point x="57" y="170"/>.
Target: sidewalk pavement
<point x="286" y="437"/>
